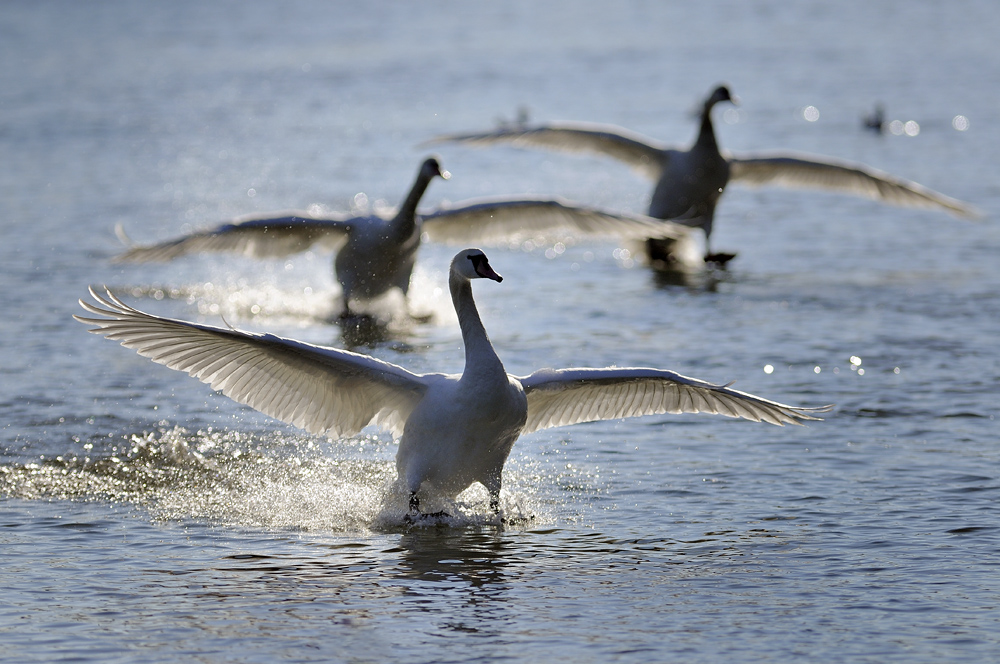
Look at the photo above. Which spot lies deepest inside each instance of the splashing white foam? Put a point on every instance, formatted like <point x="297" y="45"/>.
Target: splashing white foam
<point x="278" y="481"/>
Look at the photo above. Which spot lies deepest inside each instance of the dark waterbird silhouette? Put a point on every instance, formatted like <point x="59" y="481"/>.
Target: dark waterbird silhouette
<point x="375" y="254"/>
<point x="689" y="182"/>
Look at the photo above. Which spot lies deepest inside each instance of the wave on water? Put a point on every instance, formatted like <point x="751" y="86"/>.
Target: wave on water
<point x="281" y="482"/>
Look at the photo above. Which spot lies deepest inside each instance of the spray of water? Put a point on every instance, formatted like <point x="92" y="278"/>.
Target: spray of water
<point x="278" y="481"/>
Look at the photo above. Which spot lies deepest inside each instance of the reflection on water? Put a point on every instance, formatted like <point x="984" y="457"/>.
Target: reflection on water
<point x="871" y="536"/>
<point x="476" y="556"/>
<point x="364" y="332"/>
<point x="705" y="281"/>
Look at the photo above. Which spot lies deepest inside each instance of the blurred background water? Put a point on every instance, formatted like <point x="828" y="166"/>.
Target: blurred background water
<point x="146" y="518"/>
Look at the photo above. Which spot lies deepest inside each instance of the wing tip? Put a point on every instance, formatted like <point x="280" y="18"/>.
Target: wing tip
<point x="799" y="416"/>
<point x="970" y="212"/>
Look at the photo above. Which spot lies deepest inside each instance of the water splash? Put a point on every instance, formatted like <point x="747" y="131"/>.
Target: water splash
<point x="299" y="298"/>
<point x="278" y="481"/>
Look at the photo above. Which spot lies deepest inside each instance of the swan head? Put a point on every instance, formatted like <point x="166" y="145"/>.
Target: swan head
<point x="432" y="167"/>
<point x="473" y="264"/>
<point x="721" y="93"/>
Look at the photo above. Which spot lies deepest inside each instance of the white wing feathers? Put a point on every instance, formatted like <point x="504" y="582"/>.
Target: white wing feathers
<point x="318" y="389"/>
<point x="636" y="151"/>
<point x="803" y="170"/>
<point x="495" y="219"/>
<point x="567" y="396"/>
<point x="274" y="236"/>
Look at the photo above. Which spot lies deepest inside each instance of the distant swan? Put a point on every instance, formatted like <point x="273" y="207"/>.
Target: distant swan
<point x="375" y="254"/>
<point x="690" y="182"/>
<point x="378" y="254"/>
<point x="454" y="430"/>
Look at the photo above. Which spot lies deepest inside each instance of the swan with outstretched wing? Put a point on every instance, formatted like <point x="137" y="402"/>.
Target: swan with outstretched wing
<point x="689" y="182"/>
<point x="453" y="429"/>
<point x="375" y="254"/>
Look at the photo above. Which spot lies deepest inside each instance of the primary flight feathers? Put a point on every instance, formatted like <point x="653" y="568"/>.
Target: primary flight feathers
<point x="650" y="158"/>
<point x="689" y="181"/>
<point x="375" y="254"/>
<point x="487" y="219"/>
<point x="453" y="429"/>
<point x="339" y="392"/>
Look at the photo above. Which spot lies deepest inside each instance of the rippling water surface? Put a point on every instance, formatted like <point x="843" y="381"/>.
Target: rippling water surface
<point x="146" y="518"/>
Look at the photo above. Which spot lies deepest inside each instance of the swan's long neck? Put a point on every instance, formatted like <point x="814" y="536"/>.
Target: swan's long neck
<point x="480" y="357"/>
<point x="706" y="136"/>
<point x="406" y="218"/>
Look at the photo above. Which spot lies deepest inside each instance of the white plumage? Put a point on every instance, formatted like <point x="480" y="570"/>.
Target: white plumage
<point x="454" y="429"/>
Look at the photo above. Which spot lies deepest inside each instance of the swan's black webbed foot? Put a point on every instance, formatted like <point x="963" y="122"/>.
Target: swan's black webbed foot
<point x="415" y="515"/>
<point x="719" y="258"/>
<point x="495" y="508"/>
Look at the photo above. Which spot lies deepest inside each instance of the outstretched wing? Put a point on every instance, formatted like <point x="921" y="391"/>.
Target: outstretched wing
<point x="258" y="237"/>
<point x="318" y="389"/>
<point x="811" y="171"/>
<point x="567" y="396"/>
<point x="495" y="219"/>
<point x="638" y="152"/>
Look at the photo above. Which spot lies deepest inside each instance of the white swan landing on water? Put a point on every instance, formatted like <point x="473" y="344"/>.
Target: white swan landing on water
<point x="689" y="182"/>
<point x="376" y="254"/>
<point x="453" y="430"/>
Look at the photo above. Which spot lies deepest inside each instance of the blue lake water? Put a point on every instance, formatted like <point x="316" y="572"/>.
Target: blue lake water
<point x="147" y="519"/>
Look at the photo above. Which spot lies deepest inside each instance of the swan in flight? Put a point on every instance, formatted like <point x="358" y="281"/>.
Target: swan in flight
<point x="373" y="254"/>
<point x="689" y="182"/>
<point x="377" y="254"/>
<point x="453" y="430"/>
